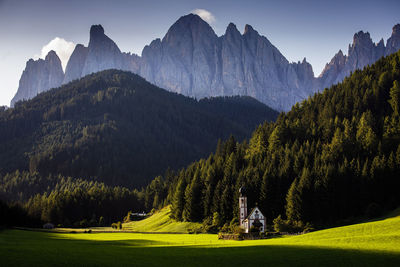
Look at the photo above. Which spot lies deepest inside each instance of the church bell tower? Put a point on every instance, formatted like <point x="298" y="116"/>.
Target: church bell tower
<point x="242" y="206"/>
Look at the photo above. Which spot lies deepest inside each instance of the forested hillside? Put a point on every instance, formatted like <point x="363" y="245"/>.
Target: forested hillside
<point x="333" y="157"/>
<point x="63" y="200"/>
<point x="116" y="128"/>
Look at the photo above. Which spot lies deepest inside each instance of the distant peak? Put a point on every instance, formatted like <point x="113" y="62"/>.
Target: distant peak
<point x="248" y="29"/>
<point x="96" y="30"/>
<point x="190" y="18"/>
<point x="231" y="28"/>
<point x="155" y="41"/>
<point x="396" y="29"/>
<point x="51" y="55"/>
<point x="361" y="37"/>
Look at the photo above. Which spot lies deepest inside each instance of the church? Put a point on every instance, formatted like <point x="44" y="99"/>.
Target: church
<point x="255" y="219"/>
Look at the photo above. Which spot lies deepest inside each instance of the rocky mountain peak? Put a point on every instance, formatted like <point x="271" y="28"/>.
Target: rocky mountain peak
<point x="396" y="29"/>
<point x="231" y="29"/>
<point x="76" y="63"/>
<point x="189" y="25"/>
<point x="102" y="53"/>
<point x="52" y="55"/>
<point x="393" y="43"/>
<point x="39" y="76"/>
<point x="96" y="30"/>
<point x="362" y="39"/>
<point x="248" y="29"/>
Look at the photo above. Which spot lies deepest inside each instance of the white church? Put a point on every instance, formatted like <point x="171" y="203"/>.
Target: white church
<point x="254" y="219"/>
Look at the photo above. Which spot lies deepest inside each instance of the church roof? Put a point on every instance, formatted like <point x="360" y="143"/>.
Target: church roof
<point x="251" y="212"/>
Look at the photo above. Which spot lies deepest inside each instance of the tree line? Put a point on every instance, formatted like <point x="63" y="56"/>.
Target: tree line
<point x="332" y="158"/>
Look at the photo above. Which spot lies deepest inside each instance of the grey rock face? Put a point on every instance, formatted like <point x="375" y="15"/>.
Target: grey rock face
<point x="102" y="54"/>
<point x="361" y="53"/>
<point x="192" y="60"/>
<point x="39" y="76"/>
<point x="393" y="43"/>
<point x="332" y="71"/>
<point x="185" y="60"/>
<point x="76" y="63"/>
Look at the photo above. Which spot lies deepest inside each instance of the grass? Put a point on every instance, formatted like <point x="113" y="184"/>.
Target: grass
<point x="161" y="222"/>
<point x="368" y="244"/>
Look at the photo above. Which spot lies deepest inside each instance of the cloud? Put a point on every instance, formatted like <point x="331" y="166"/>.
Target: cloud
<point x="62" y="47"/>
<point x="205" y="15"/>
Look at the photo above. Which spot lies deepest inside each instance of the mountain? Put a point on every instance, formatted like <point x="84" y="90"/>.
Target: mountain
<point x="192" y="60"/>
<point x="331" y="159"/>
<point x="361" y="53"/>
<point x="39" y="76"/>
<point x="115" y="127"/>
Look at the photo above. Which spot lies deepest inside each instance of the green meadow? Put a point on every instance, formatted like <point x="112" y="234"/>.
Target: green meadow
<point x="367" y="244"/>
<point x="161" y="221"/>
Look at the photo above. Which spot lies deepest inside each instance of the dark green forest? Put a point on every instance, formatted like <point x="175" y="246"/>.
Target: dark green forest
<point x="63" y="201"/>
<point x="115" y="127"/>
<point x="332" y="158"/>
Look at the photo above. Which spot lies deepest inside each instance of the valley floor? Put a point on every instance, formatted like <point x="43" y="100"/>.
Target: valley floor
<point x="368" y="244"/>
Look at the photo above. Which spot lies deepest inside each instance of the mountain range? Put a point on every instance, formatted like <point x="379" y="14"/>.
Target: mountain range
<point x="192" y="60"/>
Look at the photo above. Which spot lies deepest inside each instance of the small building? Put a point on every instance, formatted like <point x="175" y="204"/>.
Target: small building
<point x="255" y="220"/>
<point x="137" y="216"/>
<point x="48" y="226"/>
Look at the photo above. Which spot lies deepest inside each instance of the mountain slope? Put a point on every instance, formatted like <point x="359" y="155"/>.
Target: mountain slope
<point x="116" y="127"/>
<point x="333" y="157"/>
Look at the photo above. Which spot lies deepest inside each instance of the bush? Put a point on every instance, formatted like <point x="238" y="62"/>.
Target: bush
<point x="225" y="228"/>
<point x="280" y="225"/>
<point x="217" y="220"/>
<point x="84" y="223"/>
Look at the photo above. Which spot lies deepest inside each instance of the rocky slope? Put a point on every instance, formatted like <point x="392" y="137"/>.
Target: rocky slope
<point x="39" y="76"/>
<point x="192" y="60"/>
<point x="361" y="53"/>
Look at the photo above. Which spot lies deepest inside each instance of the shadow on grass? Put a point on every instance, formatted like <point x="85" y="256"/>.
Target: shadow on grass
<point x="47" y="250"/>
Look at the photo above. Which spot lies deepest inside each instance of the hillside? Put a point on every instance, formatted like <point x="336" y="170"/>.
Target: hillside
<point x="161" y="221"/>
<point x="367" y="244"/>
<point x="115" y="127"/>
<point x="332" y="158"/>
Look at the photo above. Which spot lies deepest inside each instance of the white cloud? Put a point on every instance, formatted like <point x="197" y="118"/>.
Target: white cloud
<point x="205" y="15"/>
<point x="62" y="47"/>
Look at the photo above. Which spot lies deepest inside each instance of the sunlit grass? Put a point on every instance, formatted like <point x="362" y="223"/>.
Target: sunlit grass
<point x="161" y="222"/>
<point x="367" y="244"/>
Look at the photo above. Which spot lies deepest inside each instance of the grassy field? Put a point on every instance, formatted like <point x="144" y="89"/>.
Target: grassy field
<point x="368" y="244"/>
<point x="161" y="222"/>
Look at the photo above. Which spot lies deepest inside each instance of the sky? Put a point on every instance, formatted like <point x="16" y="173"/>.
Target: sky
<point x="312" y="29"/>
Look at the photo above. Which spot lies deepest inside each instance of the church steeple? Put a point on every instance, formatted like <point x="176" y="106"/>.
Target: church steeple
<point x="242" y="206"/>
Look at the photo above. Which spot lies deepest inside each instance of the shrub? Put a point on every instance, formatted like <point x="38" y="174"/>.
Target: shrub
<point x="280" y="225"/>
<point x="84" y="223"/>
